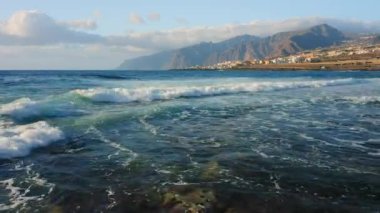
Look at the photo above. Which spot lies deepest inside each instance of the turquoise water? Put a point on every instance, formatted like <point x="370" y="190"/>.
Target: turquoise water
<point x="112" y="141"/>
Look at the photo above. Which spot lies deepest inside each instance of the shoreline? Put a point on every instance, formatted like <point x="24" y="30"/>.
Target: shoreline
<point x="344" y="65"/>
<point x="278" y="69"/>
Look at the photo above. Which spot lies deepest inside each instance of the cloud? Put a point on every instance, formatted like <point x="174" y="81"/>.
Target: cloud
<point x="36" y="28"/>
<point x="81" y="24"/>
<point x="180" y="37"/>
<point x="154" y="16"/>
<point x="135" y="18"/>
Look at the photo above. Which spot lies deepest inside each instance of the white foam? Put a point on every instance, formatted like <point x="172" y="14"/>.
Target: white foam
<point x="17" y="141"/>
<point x="126" y="95"/>
<point x="111" y="199"/>
<point x="4" y="124"/>
<point x="24" y="108"/>
<point x="115" y="145"/>
<point x="362" y="99"/>
<point x="376" y="154"/>
<point x="20" y="108"/>
<point x="19" y="193"/>
<point x="151" y="128"/>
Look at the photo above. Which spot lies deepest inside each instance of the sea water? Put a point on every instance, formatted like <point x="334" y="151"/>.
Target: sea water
<point x="129" y="141"/>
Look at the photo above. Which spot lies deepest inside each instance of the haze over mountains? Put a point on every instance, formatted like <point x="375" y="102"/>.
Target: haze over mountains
<point x="243" y="47"/>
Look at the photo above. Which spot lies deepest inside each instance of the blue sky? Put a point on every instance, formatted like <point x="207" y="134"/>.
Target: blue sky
<point x="100" y="34"/>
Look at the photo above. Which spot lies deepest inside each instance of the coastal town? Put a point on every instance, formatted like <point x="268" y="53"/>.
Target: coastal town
<point x="360" y="54"/>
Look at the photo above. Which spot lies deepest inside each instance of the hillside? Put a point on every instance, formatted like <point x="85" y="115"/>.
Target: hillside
<point x="244" y="47"/>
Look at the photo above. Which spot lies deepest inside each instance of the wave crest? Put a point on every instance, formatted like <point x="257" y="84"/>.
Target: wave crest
<point x="20" y="108"/>
<point x="125" y="95"/>
<point x="25" y="108"/>
<point x="18" y="141"/>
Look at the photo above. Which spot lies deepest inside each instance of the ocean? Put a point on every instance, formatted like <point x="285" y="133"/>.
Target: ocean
<point x="196" y="141"/>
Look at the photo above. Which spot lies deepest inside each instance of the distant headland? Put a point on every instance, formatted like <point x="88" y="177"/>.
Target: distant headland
<point x="321" y="47"/>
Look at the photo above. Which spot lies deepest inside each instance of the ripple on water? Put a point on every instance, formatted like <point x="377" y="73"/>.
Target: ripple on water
<point x="119" y="147"/>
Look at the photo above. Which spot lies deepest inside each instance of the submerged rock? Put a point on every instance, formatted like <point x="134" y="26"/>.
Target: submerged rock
<point x="187" y="199"/>
<point x="56" y="209"/>
<point x="211" y="171"/>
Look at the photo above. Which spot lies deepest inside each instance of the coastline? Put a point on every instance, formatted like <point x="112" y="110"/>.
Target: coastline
<point x="372" y="64"/>
<point x="357" y="65"/>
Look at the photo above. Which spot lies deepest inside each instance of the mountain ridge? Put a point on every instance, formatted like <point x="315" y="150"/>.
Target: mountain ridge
<point x="244" y="47"/>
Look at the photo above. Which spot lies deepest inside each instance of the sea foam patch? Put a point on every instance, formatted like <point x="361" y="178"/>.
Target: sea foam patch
<point x="126" y="95"/>
<point x="18" y="141"/>
<point x="19" y="193"/>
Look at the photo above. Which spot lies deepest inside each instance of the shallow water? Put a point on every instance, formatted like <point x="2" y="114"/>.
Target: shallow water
<point x="162" y="141"/>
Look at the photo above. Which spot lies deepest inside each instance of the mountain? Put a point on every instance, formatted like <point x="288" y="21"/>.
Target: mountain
<point x="205" y="52"/>
<point x="238" y="48"/>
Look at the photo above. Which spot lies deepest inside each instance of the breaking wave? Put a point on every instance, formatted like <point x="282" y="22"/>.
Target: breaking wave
<point x="125" y="95"/>
<point x="26" y="108"/>
<point x="19" y="140"/>
<point x="20" y="108"/>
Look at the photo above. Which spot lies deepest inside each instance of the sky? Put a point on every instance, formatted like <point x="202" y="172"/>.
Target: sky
<point x="100" y="34"/>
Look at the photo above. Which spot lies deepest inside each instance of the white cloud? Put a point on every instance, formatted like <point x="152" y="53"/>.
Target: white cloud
<point x="135" y="18"/>
<point x="36" y="28"/>
<point x="154" y="16"/>
<point x="175" y="38"/>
